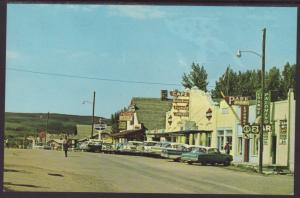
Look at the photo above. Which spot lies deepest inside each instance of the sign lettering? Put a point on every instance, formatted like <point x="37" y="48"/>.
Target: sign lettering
<point x="237" y="100"/>
<point x="125" y="116"/>
<point x="178" y="93"/>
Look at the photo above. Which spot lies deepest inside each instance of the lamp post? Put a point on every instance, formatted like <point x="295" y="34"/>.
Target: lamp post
<point x="262" y="56"/>
<point x="93" y="115"/>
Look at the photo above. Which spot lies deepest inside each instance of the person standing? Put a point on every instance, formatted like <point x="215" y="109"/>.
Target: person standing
<point x="227" y="148"/>
<point x="65" y="146"/>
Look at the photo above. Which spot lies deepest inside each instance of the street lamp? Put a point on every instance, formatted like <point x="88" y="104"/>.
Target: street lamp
<point x="262" y="56"/>
<point x="93" y="115"/>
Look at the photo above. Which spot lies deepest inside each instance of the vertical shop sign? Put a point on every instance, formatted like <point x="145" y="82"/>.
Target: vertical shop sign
<point x="267" y="104"/>
<point x="244" y="114"/>
<point x="283" y="131"/>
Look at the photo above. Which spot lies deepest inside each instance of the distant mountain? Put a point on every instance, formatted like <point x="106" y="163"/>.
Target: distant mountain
<point x="20" y="124"/>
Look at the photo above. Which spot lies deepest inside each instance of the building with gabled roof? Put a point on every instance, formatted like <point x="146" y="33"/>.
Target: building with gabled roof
<point x="143" y="114"/>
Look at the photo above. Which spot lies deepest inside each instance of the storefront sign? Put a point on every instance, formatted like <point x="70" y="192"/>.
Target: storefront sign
<point x="255" y="129"/>
<point x="209" y="114"/>
<point x="177" y="107"/>
<point x="237" y="100"/>
<point x="126" y="116"/>
<point x="283" y="131"/>
<point x="122" y="125"/>
<point x="176" y="100"/>
<point x="267" y="104"/>
<point x="185" y="114"/>
<point x="180" y="103"/>
<point x="179" y="93"/>
<point x="244" y="114"/>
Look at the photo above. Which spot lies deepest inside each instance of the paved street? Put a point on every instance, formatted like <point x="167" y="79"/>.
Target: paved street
<point x="45" y="170"/>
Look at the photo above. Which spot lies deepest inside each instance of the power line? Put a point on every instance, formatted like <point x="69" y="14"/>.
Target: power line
<point x="90" y="78"/>
<point x="93" y="78"/>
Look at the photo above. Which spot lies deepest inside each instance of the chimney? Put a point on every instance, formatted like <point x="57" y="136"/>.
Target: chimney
<point x="164" y="94"/>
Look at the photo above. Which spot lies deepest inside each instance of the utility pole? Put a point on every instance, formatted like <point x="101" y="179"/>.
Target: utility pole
<point x="93" y="115"/>
<point x="47" y="127"/>
<point x="261" y="132"/>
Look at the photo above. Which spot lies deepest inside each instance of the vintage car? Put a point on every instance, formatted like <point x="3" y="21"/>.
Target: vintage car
<point x="83" y="146"/>
<point x="157" y="148"/>
<point x="107" y="147"/>
<point x="131" y="146"/>
<point x="147" y="146"/>
<point x="206" y="155"/>
<point x="94" y="146"/>
<point x="176" y="150"/>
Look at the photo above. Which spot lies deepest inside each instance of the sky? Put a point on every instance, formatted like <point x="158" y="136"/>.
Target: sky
<point x="58" y="55"/>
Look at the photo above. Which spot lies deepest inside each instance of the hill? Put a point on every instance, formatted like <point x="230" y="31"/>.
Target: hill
<point x="25" y="124"/>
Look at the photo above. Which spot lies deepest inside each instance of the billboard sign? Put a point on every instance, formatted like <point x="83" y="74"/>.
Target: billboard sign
<point x="125" y="116"/>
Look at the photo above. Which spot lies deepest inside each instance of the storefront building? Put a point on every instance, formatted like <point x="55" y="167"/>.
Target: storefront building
<point x="144" y="119"/>
<point x="191" y="119"/>
<point x="279" y="133"/>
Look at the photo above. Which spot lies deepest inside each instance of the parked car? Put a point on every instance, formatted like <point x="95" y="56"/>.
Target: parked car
<point x="94" y="146"/>
<point x="131" y="146"/>
<point x="83" y="146"/>
<point x="174" y="151"/>
<point x="157" y="148"/>
<point x="206" y="155"/>
<point x="107" y="147"/>
<point x="147" y="146"/>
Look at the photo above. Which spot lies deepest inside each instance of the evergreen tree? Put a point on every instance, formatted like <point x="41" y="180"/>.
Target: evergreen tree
<point x="288" y="78"/>
<point x="197" y="77"/>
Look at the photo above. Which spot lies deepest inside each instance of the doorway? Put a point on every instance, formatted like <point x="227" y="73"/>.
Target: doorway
<point x="274" y="147"/>
<point x="246" y="150"/>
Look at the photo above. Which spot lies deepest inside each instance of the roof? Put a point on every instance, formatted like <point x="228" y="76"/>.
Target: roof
<point x="83" y="131"/>
<point x="152" y="111"/>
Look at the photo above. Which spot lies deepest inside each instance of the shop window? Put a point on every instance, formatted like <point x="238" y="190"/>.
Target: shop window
<point x="220" y="142"/>
<point x="240" y="145"/>
<point x="254" y="145"/>
<point x="208" y="143"/>
<point x="229" y="140"/>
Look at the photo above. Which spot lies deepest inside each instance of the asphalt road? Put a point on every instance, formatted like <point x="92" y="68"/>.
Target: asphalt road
<point x="50" y="171"/>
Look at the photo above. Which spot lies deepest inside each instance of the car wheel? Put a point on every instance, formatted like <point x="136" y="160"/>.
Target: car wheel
<point x="203" y="163"/>
<point x="227" y="162"/>
<point x="190" y="162"/>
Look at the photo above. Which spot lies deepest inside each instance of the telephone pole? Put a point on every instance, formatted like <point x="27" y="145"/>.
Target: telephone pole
<point x="93" y="115"/>
<point x="261" y="132"/>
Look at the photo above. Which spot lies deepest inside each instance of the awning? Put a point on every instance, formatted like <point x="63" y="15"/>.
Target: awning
<point x="127" y="133"/>
<point x="179" y="133"/>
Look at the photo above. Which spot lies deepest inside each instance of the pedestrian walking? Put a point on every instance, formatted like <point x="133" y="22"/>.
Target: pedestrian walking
<point x="65" y="146"/>
<point x="227" y="148"/>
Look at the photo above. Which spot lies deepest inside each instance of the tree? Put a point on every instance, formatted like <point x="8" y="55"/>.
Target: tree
<point x="288" y="78"/>
<point x="273" y="84"/>
<point x="197" y="77"/>
<point x="227" y="83"/>
<point x="115" y="122"/>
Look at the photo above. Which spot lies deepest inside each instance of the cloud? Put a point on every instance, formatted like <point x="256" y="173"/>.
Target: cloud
<point x="136" y="12"/>
<point x="86" y="8"/>
<point x="73" y="7"/>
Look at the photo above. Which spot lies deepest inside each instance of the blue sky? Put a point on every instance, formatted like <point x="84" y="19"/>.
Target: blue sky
<point x="131" y="43"/>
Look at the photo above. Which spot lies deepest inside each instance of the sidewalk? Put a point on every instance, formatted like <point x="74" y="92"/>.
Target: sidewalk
<point x="267" y="169"/>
